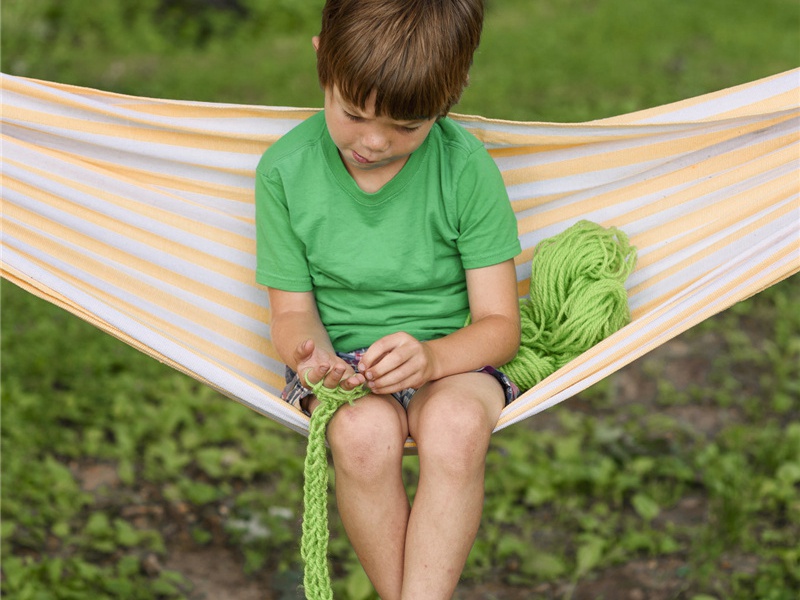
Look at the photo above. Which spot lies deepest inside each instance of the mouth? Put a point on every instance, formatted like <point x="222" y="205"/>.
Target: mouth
<point x="360" y="159"/>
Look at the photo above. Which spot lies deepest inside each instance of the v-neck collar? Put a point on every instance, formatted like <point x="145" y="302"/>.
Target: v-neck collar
<point x="388" y="190"/>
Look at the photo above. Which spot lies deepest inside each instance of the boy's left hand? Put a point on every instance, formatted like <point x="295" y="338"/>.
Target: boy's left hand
<point x="396" y="362"/>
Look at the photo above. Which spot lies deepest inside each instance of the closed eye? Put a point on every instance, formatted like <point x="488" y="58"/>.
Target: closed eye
<point x="352" y="118"/>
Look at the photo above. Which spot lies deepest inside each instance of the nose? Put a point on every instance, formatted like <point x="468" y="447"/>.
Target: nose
<point x="375" y="140"/>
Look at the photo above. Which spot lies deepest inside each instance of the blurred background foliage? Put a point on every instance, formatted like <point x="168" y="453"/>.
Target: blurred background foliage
<point x="678" y="477"/>
<point x="554" y="60"/>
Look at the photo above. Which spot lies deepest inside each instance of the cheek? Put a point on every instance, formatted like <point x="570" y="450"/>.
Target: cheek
<point x="337" y="125"/>
<point x="416" y="139"/>
<point x="339" y="134"/>
<point x="411" y="143"/>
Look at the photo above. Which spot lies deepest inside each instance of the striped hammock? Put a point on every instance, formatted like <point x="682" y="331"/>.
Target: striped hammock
<point x="136" y="214"/>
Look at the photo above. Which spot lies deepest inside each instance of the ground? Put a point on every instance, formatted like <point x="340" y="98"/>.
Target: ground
<point x="216" y="569"/>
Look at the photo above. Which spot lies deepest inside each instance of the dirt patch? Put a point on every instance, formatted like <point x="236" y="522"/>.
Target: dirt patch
<point x="703" y="420"/>
<point x="216" y="574"/>
<point x="93" y="477"/>
<point x="636" y="580"/>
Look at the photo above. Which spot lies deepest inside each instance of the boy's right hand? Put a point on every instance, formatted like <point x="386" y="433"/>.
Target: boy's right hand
<point x="320" y="364"/>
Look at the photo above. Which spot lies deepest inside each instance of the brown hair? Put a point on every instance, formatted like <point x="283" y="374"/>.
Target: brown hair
<point x="414" y="54"/>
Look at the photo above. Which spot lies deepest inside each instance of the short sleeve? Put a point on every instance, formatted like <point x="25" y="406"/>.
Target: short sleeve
<point x="280" y="255"/>
<point x="486" y="219"/>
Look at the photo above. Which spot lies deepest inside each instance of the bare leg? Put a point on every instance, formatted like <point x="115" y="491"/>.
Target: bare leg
<point x="367" y="442"/>
<point x="451" y="420"/>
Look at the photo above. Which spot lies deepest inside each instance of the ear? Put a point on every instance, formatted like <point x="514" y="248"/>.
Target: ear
<point x="315" y="42"/>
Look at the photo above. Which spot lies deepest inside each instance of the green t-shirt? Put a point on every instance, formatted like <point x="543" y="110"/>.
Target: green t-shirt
<point x="389" y="261"/>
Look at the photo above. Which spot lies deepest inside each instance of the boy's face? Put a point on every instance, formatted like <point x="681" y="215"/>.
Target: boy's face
<point x="371" y="146"/>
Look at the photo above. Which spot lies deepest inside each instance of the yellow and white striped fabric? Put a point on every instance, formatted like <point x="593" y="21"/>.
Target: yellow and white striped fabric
<point x="136" y="214"/>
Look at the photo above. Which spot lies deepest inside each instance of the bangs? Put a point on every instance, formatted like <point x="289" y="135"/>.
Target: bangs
<point x="405" y="94"/>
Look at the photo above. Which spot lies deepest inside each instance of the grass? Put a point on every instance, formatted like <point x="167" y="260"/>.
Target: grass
<point x="686" y="460"/>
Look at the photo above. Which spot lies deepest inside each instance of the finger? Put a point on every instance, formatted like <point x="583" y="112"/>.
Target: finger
<point x="399" y="378"/>
<point x="352" y="382"/>
<point x="304" y="351"/>
<point x="389" y="388"/>
<point x="377" y="351"/>
<point x="388" y="363"/>
<point x="310" y="376"/>
<point x="334" y="376"/>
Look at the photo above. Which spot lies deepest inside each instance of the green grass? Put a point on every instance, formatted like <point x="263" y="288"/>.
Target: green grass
<point x="689" y="457"/>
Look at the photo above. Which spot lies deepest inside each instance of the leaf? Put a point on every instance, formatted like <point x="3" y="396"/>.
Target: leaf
<point x="638" y="540"/>
<point x="7" y="527"/>
<point x="590" y="552"/>
<point x="126" y="471"/>
<point x="128" y="566"/>
<point x="120" y="588"/>
<point x="127" y="535"/>
<point x="544" y="565"/>
<point x="210" y="461"/>
<point x="60" y="529"/>
<point x="168" y="583"/>
<point x="199" y="493"/>
<point x="14" y="572"/>
<point x="645" y="506"/>
<point x="99" y="525"/>
<point x="358" y="585"/>
<point x="789" y="473"/>
<point x="54" y="569"/>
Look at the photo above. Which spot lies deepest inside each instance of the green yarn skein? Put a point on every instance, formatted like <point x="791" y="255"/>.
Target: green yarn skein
<point x="577" y="298"/>
<point x="315" y="536"/>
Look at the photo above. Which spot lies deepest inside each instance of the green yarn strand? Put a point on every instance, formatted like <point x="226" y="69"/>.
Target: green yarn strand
<point x="577" y="298"/>
<point x="316" y="534"/>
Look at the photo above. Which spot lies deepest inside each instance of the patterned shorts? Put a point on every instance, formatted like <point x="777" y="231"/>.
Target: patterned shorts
<point x="295" y="392"/>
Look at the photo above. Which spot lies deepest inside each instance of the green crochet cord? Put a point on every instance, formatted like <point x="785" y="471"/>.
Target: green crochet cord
<point x="577" y="298"/>
<point x="314" y="542"/>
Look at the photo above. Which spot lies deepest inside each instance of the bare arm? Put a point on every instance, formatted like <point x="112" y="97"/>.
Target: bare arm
<point x="302" y="341"/>
<point x="492" y="338"/>
<point x="399" y="361"/>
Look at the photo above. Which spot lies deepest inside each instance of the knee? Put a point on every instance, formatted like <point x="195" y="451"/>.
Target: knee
<point x="455" y="437"/>
<point x="366" y="440"/>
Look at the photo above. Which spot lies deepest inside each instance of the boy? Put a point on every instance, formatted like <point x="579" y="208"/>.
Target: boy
<point x="381" y="226"/>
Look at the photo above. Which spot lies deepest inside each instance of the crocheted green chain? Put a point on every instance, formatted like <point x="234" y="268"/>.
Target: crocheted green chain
<point x="314" y="542"/>
<point x="577" y="298"/>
